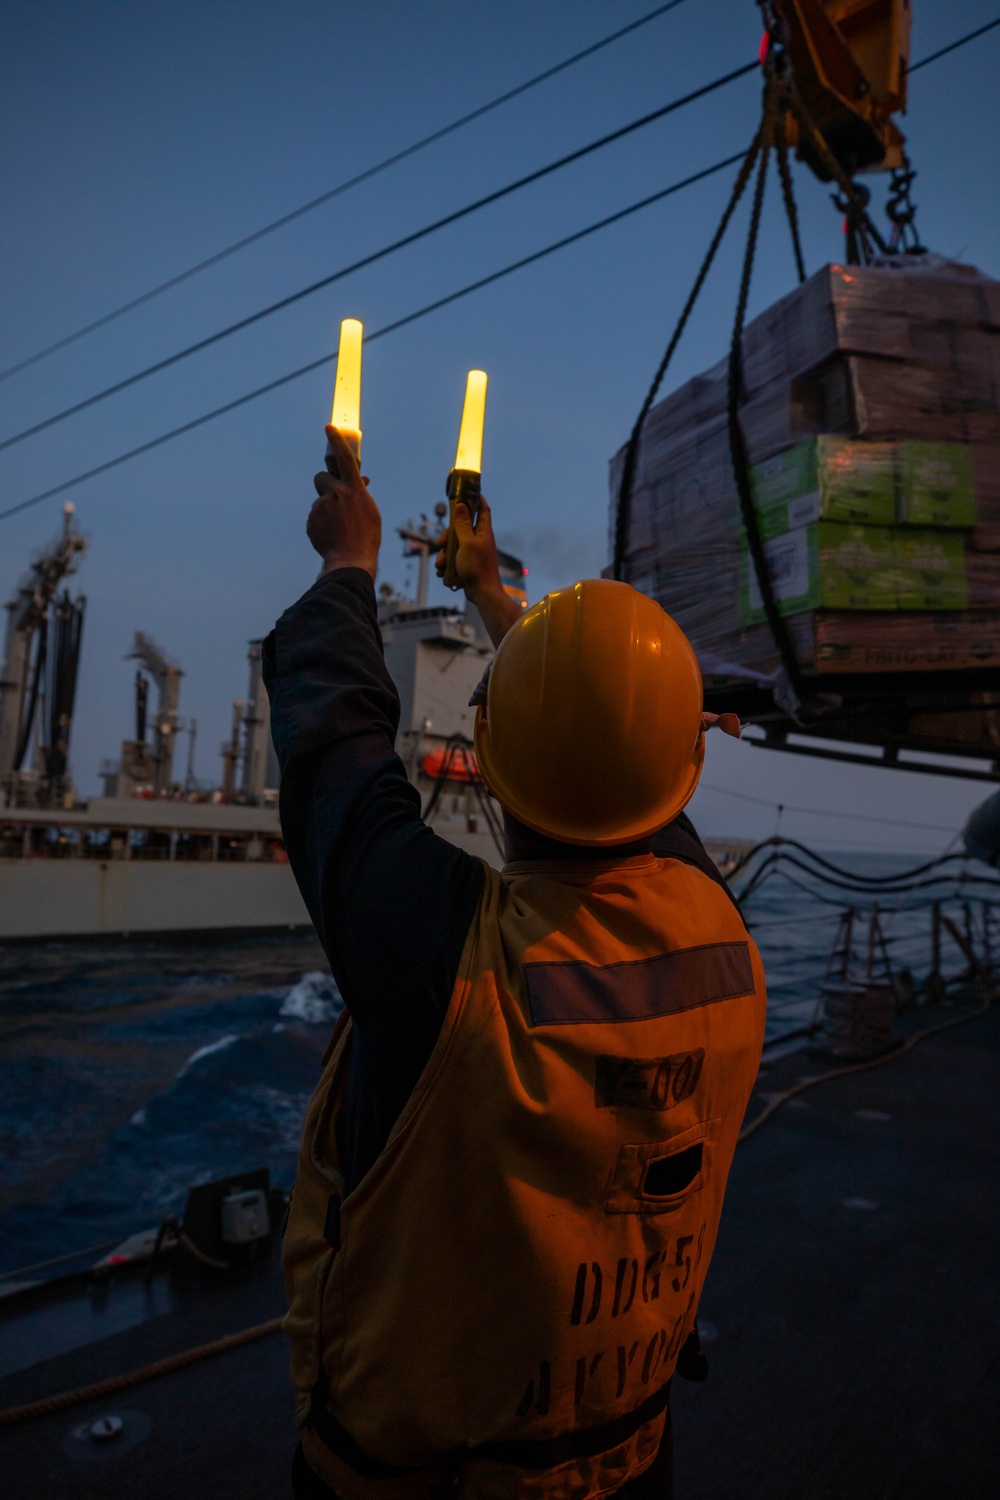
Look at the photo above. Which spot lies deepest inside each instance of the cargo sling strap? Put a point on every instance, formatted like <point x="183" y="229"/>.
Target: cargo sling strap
<point x="781" y="96"/>
<point x="525" y="1453"/>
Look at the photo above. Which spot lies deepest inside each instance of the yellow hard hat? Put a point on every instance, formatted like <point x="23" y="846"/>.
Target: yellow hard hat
<point x="591" y="731"/>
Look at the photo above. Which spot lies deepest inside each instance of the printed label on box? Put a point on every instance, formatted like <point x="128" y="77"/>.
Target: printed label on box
<point x="936" y="485"/>
<point x="788" y="568"/>
<point x="804" y="510"/>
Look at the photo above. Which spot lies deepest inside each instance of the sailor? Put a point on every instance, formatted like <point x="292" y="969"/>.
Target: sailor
<point x="512" y="1170"/>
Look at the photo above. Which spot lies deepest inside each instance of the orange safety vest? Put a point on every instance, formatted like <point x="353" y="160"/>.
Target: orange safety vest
<point x="500" y="1302"/>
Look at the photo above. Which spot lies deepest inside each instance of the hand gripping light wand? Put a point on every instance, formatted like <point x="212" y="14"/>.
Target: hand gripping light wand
<point x="346" y="414"/>
<point x="463" y="481"/>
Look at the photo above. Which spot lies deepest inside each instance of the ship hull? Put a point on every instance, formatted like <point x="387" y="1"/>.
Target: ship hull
<point x="54" y="898"/>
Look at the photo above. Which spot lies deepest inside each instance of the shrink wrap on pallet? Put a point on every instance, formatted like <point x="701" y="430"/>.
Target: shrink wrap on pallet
<point x="871" y="398"/>
<point x="871" y="416"/>
<point x="917" y="310"/>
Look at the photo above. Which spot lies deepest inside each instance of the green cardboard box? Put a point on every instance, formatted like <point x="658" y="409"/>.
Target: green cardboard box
<point x="936" y="486"/>
<point x="829" y="565"/>
<point x="824" y="565"/>
<point x="829" y="478"/>
<point x="931" y="570"/>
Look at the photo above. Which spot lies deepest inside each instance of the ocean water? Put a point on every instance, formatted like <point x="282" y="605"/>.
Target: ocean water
<point x="132" y="1071"/>
<point x="796" y="921"/>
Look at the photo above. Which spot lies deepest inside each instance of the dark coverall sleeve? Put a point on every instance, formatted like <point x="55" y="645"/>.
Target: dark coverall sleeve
<point x="391" y="901"/>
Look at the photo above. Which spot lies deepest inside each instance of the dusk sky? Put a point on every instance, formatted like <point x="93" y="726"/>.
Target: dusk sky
<point x="139" y="138"/>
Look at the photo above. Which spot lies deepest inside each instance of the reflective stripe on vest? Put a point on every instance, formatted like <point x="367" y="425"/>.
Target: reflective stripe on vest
<point x="529" y="1453"/>
<point x="516" y="1274"/>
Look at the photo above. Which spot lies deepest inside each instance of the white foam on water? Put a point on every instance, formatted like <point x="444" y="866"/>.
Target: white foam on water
<point x="314" y="999"/>
<point x="219" y="1046"/>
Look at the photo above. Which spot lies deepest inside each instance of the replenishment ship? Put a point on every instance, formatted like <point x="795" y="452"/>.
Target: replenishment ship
<point x="158" y="852"/>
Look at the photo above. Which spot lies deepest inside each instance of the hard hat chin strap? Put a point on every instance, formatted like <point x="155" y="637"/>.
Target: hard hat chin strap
<point x="728" y="723"/>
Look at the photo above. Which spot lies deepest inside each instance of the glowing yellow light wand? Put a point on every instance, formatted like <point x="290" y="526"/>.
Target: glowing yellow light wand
<point x="463" y="481"/>
<point x="346" y="413"/>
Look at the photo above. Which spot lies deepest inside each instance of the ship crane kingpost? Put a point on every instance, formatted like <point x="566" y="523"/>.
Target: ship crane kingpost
<point x="167" y="677"/>
<point x="22" y="680"/>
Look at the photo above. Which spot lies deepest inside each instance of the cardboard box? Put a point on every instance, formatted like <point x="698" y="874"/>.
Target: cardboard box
<point x="825" y="564"/>
<point x="982" y="571"/>
<point x="685" y="500"/>
<point x="926" y="311"/>
<point x="830" y="565"/>
<point x="931" y="570"/>
<point x="750" y="652"/>
<point x="905" y="642"/>
<point x="936" y="486"/>
<point x="865" y="483"/>
<point x="986" y="468"/>
<point x="876" y="399"/>
<point x="953" y="404"/>
<point x="826" y="477"/>
<point x="986" y="537"/>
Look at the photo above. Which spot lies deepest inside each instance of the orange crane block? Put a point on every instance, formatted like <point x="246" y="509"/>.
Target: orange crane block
<point x="850" y="60"/>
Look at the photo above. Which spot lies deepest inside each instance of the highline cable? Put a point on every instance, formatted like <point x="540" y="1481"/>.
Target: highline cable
<point x="389" y="161"/>
<point x="381" y="254"/>
<point x="465" y="291"/>
<point x="326" y="359"/>
<point x="342" y="187"/>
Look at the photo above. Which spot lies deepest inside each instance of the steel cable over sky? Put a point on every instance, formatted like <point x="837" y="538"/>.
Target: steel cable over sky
<point x="813" y="812"/>
<point x="423" y="312"/>
<point x="961" y="41"/>
<point x="342" y="187"/>
<point x="282" y="380"/>
<point x="377" y="255"/>
<point x="390" y="161"/>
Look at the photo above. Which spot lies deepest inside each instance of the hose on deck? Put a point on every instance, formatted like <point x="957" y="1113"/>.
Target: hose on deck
<point x="13" y="1416"/>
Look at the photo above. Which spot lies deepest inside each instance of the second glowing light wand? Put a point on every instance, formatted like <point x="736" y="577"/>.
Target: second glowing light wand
<point x="464" y="480"/>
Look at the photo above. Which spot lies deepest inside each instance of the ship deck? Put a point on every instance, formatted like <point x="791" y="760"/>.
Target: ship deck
<point x="850" y="1317"/>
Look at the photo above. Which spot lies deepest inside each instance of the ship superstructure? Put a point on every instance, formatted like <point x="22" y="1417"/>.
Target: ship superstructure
<point x="160" y="852"/>
<point x="38" y="674"/>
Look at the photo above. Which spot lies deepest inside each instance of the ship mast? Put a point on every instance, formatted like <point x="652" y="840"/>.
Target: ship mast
<point x="21" y="679"/>
<point x="167" y="677"/>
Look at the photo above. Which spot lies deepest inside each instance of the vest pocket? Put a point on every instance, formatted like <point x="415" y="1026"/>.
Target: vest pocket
<point x="656" y="1177"/>
<point x="666" y="1176"/>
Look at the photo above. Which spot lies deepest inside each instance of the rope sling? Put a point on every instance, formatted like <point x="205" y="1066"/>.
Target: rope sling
<point x="781" y="98"/>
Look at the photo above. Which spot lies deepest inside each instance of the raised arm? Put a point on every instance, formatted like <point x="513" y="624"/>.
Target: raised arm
<point x="478" y="571"/>
<point x="390" y="900"/>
